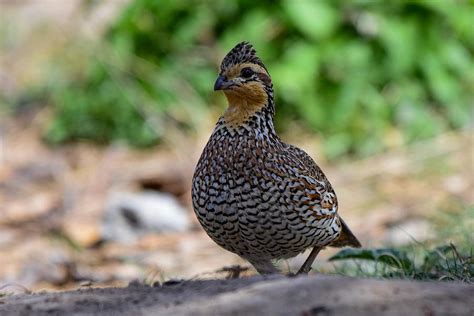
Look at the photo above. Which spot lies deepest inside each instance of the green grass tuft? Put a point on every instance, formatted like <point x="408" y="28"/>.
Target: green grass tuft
<point x="417" y="262"/>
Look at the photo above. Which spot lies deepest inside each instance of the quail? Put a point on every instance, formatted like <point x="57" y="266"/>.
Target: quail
<point x="253" y="194"/>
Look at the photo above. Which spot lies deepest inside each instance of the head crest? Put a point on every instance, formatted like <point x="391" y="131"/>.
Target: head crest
<point x="241" y="53"/>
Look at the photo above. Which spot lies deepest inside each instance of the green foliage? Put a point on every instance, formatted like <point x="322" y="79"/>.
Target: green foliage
<point x="441" y="263"/>
<point x="390" y="256"/>
<point x="363" y="74"/>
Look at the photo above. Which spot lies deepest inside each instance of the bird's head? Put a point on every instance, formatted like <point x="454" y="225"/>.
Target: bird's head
<point x="245" y="82"/>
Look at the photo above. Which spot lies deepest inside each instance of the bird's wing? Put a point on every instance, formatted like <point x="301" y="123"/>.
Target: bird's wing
<point x="327" y="196"/>
<point x="306" y="186"/>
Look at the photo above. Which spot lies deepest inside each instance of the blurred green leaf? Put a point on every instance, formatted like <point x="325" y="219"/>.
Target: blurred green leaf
<point x="354" y="72"/>
<point x="315" y="19"/>
<point x="390" y="256"/>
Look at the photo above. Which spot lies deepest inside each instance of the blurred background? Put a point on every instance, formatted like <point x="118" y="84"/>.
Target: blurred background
<point x="105" y="107"/>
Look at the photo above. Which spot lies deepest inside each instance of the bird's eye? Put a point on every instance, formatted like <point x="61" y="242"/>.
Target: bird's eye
<point x="247" y="72"/>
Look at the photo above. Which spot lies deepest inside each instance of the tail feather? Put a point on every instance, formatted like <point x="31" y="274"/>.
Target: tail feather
<point x="346" y="238"/>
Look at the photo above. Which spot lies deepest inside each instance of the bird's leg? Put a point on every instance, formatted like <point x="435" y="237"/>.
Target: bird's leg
<point x="306" y="267"/>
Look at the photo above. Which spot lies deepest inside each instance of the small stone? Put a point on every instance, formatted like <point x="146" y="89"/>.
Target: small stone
<point x="82" y="231"/>
<point x="129" y="216"/>
<point x="135" y="283"/>
<point x="173" y="282"/>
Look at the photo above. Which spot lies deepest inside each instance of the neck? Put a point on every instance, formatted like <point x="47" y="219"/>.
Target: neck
<point x="253" y="109"/>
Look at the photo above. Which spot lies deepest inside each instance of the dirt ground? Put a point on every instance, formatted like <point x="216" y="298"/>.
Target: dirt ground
<point x="275" y="295"/>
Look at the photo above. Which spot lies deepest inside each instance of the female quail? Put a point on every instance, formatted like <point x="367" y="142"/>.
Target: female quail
<point x="253" y="194"/>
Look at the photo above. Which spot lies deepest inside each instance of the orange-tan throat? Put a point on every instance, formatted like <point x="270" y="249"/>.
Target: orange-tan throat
<point x="246" y="99"/>
<point x="244" y="102"/>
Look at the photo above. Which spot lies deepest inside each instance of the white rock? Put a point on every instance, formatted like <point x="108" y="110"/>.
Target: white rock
<point x="128" y="216"/>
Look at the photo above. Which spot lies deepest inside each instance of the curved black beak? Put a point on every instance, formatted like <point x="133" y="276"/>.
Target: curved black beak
<point x="221" y="83"/>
